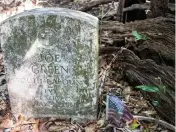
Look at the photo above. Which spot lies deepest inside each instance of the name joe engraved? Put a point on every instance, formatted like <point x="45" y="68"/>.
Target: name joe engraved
<point x="49" y="66"/>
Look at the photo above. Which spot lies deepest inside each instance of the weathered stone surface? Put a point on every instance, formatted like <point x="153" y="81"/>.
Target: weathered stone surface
<point x="51" y="58"/>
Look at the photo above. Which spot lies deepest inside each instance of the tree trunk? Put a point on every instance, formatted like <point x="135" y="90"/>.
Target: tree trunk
<point x="145" y="62"/>
<point x="159" y="7"/>
<point x="120" y="10"/>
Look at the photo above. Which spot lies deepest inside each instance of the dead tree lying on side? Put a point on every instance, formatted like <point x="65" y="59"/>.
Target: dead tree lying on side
<point x="145" y="62"/>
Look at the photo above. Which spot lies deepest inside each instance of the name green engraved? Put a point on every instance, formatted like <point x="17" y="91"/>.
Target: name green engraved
<point x="49" y="69"/>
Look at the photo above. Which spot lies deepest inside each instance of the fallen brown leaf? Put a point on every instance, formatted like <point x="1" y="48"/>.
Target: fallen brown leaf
<point x="36" y="126"/>
<point x="7" y="123"/>
<point x="91" y="127"/>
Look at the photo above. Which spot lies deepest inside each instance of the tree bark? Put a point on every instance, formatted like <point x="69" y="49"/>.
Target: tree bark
<point x="120" y="10"/>
<point x="145" y="62"/>
<point x="159" y="7"/>
<point x="92" y="4"/>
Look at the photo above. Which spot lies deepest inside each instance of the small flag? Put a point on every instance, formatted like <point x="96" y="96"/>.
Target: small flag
<point x="117" y="113"/>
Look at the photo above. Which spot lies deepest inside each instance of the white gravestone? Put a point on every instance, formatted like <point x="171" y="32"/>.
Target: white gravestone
<point x="51" y="63"/>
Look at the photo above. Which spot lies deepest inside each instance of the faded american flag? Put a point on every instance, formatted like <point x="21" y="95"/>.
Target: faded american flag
<point x="117" y="113"/>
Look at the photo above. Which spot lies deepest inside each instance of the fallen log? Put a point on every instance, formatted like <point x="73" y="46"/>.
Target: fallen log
<point x="145" y="62"/>
<point x="92" y="4"/>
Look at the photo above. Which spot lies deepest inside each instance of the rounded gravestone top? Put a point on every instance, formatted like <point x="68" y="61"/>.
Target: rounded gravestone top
<point x="60" y="12"/>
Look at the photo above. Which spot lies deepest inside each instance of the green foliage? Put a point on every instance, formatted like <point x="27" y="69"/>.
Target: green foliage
<point x="162" y="87"/>
<point x="134" y="126"/>
<point x="155" y="103"/>
<point x="148" y="88"/>
<point x="138" y="36"/>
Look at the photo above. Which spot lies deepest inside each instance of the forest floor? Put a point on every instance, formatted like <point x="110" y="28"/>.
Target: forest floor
<point x="110" y="80"/>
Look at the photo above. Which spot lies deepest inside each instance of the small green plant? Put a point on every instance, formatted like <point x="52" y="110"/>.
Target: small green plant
<point x="148" y="88"/>
<point x="153" y="89"/>
<point x="155" y="102"/>
<point x="139" y="36"/>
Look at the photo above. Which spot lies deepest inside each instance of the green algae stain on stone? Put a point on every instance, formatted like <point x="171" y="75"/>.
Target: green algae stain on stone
<point x="52" y="54"/>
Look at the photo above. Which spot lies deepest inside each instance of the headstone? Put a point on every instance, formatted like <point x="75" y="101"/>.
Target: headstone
<point x="51" y="62"/>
